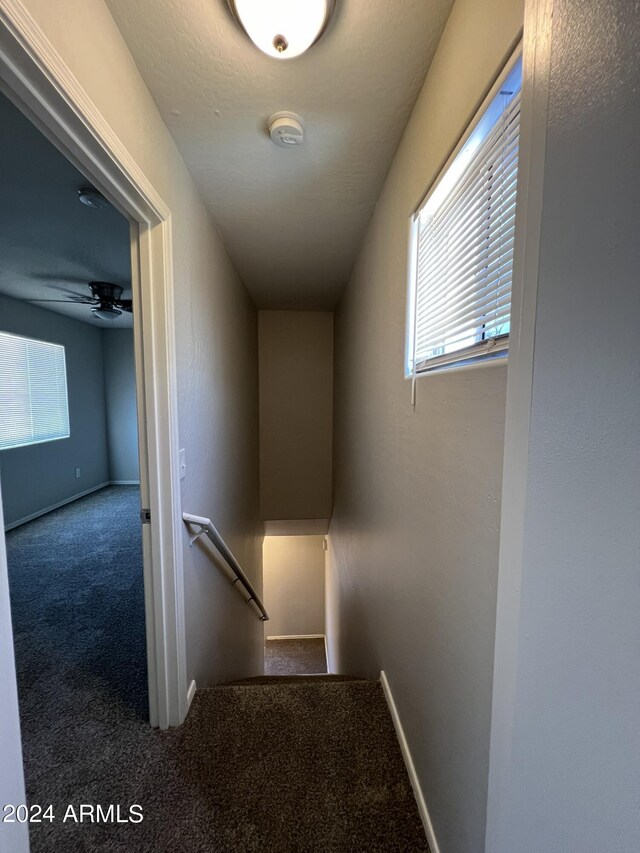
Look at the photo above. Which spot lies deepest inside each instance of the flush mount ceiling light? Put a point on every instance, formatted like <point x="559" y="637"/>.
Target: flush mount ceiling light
<point x="283" y="28"/>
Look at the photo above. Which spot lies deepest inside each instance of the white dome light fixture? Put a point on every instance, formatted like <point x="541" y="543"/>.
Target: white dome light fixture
<point x="283" y="28"/>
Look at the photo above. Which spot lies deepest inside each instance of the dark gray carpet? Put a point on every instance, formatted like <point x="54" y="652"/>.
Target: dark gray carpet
<point x="307" y="767"/>
<point x="77" y="605"/>
<point x="294" y="657"/>
<point x="293" y="765"/>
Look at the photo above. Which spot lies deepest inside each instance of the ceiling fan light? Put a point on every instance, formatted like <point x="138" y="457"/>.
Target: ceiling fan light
<point x="283" y="28"/>
<point x="92" y="198"/>
<point x="106" y="312"/>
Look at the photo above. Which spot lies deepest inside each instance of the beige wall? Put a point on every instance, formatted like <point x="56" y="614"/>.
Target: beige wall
<point x="216" y="335"/>
<point x="294" y="585"/>
<point x="413" y="545"/>
<point x="296" y="413"/>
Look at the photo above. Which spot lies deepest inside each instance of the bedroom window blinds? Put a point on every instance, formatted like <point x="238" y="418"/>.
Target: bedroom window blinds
<point x="462" y="243"/>
<point x="33" y="392"/>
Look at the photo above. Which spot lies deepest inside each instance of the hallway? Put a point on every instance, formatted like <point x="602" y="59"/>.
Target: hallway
<point x="377" y="282"/>
<point x="308" y="765"/>
<point x="230" y="778"/>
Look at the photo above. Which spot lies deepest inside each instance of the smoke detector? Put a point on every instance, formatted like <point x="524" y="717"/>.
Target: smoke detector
<point x="286" y="129"/>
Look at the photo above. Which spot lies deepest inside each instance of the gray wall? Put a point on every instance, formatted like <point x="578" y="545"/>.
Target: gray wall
<point x="120" y="399"/>
<point x="294" y="585"/>
<point x="566" y="743"/>
<point x="413" y="544"/>
<point x="42" y="475"/>
<point x="296" y="414"/>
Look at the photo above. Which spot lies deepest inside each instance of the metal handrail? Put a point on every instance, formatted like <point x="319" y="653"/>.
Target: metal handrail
<point x="207" y="528"/>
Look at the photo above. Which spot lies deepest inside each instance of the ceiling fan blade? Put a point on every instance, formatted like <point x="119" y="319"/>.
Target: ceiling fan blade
<point x="77" y="301"/>
<point x="125" y="305"/>
<point x="59" y="279"/>
<point x="72" y="295"/>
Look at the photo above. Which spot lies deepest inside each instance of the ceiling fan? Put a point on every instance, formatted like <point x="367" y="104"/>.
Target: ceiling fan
<point x="105" y="299"/>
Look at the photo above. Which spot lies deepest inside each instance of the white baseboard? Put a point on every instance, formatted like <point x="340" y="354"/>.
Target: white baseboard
<point x="55" y="506"/>
<point x="66" y="501"/>
<point x="296" y="637"/>
<point x="411" y="770"/>
<point x="191" y="692"/>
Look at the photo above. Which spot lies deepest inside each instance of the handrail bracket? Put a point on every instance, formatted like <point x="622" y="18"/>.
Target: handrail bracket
<point x="201" y="532"/>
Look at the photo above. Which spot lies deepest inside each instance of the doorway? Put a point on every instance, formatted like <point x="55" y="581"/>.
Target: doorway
<point x="35" y="80"/>
<point x="69" y="467"/>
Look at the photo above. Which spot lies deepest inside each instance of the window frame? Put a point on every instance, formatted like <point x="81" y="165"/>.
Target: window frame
<point x="62" y="347"/>
<point x="469" y="356"/>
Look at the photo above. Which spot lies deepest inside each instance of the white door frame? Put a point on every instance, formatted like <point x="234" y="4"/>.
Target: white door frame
<point x="36" y="78"/>
<point x="538" y="23"/>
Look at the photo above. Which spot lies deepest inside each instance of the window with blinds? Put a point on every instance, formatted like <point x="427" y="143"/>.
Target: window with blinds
<point x="33" y="392"/>
<point x="462" y="243"/>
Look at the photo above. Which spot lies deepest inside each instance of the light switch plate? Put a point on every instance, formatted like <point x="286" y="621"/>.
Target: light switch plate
<point x="182" y="461"/>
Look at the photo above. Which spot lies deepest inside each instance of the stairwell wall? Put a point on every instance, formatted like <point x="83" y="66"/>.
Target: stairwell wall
<point x="413" y="545"/>
<point x="294" y="585"/>
<point x="296" y="414"/>
<point x="216" y="340"/>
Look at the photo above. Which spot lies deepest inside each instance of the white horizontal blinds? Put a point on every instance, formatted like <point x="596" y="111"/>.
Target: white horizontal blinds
<point x="33" y="392"/>
<point x="465" y="245"/>
<point x="15" y="409"/>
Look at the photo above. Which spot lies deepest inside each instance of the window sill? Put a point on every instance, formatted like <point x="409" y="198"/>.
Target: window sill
<point x="500" y="358"/>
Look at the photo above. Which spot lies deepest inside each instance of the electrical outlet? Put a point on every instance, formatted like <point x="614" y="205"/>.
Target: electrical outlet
<point x="77" y="473"/>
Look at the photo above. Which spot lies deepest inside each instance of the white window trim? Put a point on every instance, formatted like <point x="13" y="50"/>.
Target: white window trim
<point x="459" y="360"/>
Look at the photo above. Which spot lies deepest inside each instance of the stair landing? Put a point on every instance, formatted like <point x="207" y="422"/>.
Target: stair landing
<point x="279" y="765"/>
<point x="308" y="764"/>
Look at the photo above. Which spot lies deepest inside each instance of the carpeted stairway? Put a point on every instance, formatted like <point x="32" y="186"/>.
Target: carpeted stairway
<point x="302" y="656"/>
<point x="291" y="764"/>
<point x="278" y="765"/>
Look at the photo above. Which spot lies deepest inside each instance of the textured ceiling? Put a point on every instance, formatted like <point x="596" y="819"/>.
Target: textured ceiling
<point x="50" y="244"/>
<point x="292" y="219"/>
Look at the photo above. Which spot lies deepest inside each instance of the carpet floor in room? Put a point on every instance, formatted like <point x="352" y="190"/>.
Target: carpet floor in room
<point x="77" y="607"/>
<point x="295" y="657"/>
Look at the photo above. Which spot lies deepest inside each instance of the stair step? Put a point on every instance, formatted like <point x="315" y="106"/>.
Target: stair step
<point x="311" y="764"/>
<point x="290" y="679"/>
